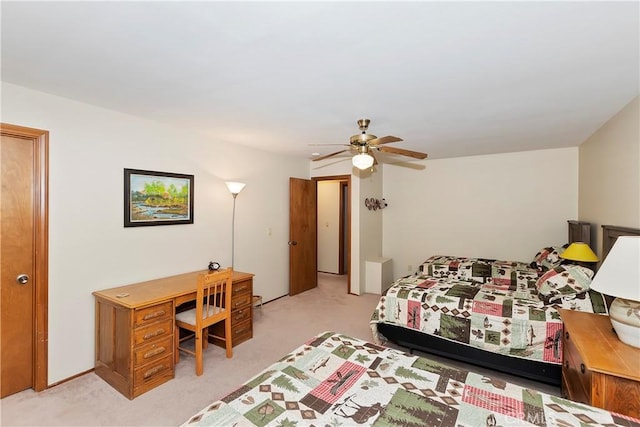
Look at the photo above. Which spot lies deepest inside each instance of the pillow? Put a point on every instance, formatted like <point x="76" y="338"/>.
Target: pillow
<point x="548" y="258"/>
<point x="563" y="280"/>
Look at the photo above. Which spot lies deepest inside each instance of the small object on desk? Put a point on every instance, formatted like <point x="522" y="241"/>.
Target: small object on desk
<point x="123" y="295"/>
<point x="214" y="266"/>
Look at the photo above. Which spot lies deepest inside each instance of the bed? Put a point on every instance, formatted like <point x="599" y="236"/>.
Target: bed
<point x="335" y="380"/>
<point x="497" y="314"/>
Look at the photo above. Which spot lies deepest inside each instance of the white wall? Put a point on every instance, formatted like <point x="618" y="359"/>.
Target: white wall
<point x="610" y="173"/>
<point x="328" y="226"/>
<point x="89" y="249"/>
<point x="370" y="236"/>
<point x="505" y="206"/>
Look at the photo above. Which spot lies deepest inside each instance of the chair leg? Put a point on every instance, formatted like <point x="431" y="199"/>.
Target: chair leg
<point x="227" y="336"/>
<point x="198" y="348"/>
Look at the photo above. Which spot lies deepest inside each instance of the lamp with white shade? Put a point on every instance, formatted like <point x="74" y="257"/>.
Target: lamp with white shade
<point x="234" y="188"/>
<point x="619" y="277"/>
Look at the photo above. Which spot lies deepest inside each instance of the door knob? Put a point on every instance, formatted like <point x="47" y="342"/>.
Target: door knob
<point x="292" y="243"/>
<point x="23" y="279"/>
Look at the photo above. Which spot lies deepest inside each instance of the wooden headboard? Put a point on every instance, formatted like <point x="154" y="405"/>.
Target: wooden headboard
<point x="611" y="232"/>
<point x="580" y="231"/>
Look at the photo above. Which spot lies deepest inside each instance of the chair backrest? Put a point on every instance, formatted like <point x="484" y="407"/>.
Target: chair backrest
<point x="213" y="302"/>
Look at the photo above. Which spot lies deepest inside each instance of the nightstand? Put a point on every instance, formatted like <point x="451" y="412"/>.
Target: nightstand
<point x="598" y="369"/>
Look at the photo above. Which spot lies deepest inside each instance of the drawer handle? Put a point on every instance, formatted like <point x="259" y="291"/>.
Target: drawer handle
<point x="239" y="289"/>
<point x="582" y="368"/>
<point x="566" y="335"/>
<point x="153" y="334"/>
<point x="151" y="372"/>
<point x="154" y="315"/>
<point x="154" y="352"/>
<point x="238" y="303"/>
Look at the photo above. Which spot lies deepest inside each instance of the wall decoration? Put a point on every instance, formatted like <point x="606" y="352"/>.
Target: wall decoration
<point x="375" y="204"/>
<point x="157" y="198"/>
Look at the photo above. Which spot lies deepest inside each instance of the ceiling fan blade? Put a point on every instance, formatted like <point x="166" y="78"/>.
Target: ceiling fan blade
<point x="316" y="145"/>
<point x="384" y="140"/>
<point x="402" y="152"/>
<point x="315" y="159"/>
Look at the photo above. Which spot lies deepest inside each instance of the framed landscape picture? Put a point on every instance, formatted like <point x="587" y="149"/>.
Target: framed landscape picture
<point x="157" y="198"/>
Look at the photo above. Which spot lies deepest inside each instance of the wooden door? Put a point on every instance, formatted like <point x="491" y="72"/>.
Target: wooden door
<point x="303" y="258"/>
<point x="23" y="247"/>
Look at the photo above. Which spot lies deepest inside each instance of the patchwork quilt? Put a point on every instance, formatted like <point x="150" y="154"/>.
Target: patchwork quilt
<point x="336" y="380"/>
<point x="480" y="270"/>
<point x="501" y="316"/>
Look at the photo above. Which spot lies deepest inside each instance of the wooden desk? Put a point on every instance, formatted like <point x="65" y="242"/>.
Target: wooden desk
<point x="135" y="327"/>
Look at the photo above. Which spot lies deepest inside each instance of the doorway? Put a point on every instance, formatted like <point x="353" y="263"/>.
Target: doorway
<point x="23" y="258"/>
<point x="334" y="219"/>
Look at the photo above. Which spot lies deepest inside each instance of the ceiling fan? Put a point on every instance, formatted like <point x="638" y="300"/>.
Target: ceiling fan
<point x="364" y="145"/>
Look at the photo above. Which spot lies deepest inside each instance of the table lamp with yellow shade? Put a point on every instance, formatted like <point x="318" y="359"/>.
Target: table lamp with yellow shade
<point x="581" y="252"/>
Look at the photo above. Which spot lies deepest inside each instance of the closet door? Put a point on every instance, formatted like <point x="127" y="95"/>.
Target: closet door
<point x="23" y="290"/>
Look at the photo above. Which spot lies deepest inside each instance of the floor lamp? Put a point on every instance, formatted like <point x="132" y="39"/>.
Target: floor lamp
<point x="234" y="189"/>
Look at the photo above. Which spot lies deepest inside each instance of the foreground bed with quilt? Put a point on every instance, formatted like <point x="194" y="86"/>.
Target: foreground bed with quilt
<point x="335" y="380"/>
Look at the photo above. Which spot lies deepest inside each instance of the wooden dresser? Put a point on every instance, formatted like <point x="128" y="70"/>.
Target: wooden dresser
<point x="599" y="369"/>
<point x="135" y="327"/>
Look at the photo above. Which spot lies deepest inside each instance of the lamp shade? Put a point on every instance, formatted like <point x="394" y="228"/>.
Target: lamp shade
<point x="235" y="187"/>
<point x="579" y="251"/>
<point x="619" y="274"/>
<point x="362" y="161"/>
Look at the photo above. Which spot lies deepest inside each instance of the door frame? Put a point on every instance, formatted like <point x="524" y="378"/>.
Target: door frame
<point x="347" y="179"/>
<point x="40" y="140"/>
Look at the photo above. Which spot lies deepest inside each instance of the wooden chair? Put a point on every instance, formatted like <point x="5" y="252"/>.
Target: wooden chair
<point x="213" y="305"/>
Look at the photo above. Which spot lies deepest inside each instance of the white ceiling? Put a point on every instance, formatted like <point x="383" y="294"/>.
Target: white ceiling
<point x="450" y="78"/>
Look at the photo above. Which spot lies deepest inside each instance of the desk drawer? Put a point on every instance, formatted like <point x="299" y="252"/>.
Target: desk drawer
<point x="576" y="376"/>
<point x="240" y="301"/>
<point x="242" y="332"/>
<point x="148" y="315"/>
<point x="149" y="376"/>
<point x="153" y="351"/>
<point x="240" y="315"/>
<point x="152" y="332"/>
<point x="242" y="287"/>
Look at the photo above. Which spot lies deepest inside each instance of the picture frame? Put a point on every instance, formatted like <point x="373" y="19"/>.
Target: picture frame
<point x="157" y="198"/>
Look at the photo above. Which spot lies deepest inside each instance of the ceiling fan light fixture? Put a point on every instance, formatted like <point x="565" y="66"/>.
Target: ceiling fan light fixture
<point x="362" y="161"/>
